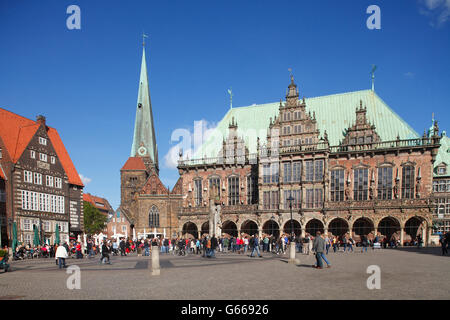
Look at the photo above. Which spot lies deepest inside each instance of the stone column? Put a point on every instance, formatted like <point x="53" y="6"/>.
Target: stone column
<point x="156" y="270"/>
<point x="428" y="240"/>
<point x="303" y="232"/>
<point x="292" y="254"/>
<point x="325" y="230"/>
<point x="199" y="234"/>
<point x="260" y="233"/>
<point x="401" y="236"/>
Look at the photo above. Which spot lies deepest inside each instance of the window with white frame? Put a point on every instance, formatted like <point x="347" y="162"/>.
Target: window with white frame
<point x="43" y="141"/>
<point x="52" y="159"/>
<point x="32" y="154"/>
<point x="27" y="176"/>
<point x="49" y="181"/>
<point x="27" y="225"/>
<point x="46" y="226"/>
<point x="58" y="183"/>
<point x="124" y="228"/>
<point x="27" y="238"/>
<point x="1" y="153"/>
<point x="37" y="178"/>
<point x="43" y="157"/>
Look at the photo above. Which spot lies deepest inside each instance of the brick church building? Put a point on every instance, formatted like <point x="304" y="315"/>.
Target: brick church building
<point x="149" y="206"/>
<point x="338" y="163"/>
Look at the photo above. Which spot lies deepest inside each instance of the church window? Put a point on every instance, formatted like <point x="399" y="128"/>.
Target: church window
<point x="252" y="191"/>
<point x="153" y="217"/>
<point x="233" y="191"/>
<point x="198" y="192"/>
<point x="361" y="185"/>
<point x="337" y="185"/>
<point x="385" y="183"/>
<point x="408" y="182"/>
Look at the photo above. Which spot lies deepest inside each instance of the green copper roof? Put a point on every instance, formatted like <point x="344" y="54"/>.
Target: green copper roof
<point x="334" y="113"/>
<point x="443" y="156"/>
<point x="144" y="129"/>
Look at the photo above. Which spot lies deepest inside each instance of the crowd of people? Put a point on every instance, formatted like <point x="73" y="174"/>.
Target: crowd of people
<point x="207" y="246"/>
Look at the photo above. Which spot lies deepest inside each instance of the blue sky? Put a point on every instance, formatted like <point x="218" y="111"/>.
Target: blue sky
<point x="86" y="81"/>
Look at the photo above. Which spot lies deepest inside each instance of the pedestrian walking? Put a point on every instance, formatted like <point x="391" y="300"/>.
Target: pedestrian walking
<point x="61" y="255"/>
<point x="255" y="247"/>
<point x="318" y="247"/>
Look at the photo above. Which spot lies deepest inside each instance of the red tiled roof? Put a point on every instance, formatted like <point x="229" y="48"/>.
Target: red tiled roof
<point x="94" y="200"/>
<point x="2" y="173"/>
<point x="17" y="131"/>
<point x="72" y="174"/>
<point x="134" y="163"/>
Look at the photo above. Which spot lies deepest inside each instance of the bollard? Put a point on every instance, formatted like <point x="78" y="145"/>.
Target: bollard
<point x="156" y="270"/>
<point x="292" y="254"/>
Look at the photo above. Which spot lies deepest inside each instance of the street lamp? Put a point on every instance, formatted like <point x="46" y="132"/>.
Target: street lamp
<point x="292" y="244"/>
<point x="272" y="219"/>
<point x="290" y="199"/>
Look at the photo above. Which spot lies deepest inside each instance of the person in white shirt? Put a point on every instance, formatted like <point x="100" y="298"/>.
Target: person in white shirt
<point x="61" y="255"/>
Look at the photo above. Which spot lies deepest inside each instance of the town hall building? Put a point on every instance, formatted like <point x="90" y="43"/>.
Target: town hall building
<point x="342" y="163"/>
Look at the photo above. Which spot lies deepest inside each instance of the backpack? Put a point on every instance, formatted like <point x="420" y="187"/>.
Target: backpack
<point x="208" y="245"/>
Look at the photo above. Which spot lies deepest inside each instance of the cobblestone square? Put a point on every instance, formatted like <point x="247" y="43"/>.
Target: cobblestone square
<point x="406" y="273"/>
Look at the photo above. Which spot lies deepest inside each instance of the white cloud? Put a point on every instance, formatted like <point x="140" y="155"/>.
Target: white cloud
<point x="85" y="180"/>
<point x="189" y="141"/>
<point x="437" y="10"/>
<point x="409" y="75"/>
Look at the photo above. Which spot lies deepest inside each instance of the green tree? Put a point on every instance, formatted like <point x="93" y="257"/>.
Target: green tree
<point x="94" y="220"/>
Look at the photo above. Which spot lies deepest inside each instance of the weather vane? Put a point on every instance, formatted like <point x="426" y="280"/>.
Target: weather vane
<point x="374" y="67"/>
<point x="143" y="38"/>
<point x="290" y="73"/>
<point x="230" y="92"/>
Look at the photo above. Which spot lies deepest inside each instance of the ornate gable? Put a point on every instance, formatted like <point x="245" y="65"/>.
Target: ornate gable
<point x="154" y="186"/>
<point x="178" y="188"/>
<point x="362" y="132"/>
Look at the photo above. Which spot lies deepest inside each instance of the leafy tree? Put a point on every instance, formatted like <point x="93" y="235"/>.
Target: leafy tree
<point x="94" y="220"/>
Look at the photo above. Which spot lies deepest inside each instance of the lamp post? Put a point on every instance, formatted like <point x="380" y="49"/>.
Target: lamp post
<point x="292" y="243"/>
<point x="272" y="219"/>
<point x="290" y="199"/>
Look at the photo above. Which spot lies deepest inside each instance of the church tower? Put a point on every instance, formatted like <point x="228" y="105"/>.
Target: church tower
<point x="144" y="140"/>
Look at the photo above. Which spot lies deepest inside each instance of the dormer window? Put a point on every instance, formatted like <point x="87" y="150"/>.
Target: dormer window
<point x="442" y="170"/>
<point x="43" y="141"/>
<point x="52" y="159"/>
<point x="32" y="154"/>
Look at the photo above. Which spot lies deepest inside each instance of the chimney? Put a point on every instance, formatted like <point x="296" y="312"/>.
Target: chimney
<point x="40" y="119"/>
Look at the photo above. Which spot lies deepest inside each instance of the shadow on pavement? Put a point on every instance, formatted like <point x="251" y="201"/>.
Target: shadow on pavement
<point x="435" y="251"/>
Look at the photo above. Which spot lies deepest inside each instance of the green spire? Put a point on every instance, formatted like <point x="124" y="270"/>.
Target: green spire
<point x="144" y="140"/>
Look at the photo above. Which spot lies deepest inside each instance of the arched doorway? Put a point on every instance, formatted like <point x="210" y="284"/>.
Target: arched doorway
<point x="389" y="227"/>
<point x="249" y="227"/>
<point x="338" y="227"/>
<point x="229" y="228"/>
<point x="271" y="227"/>
<point x="313" y="226"/>
<point x="295" y="225"/>
<point x="413" y="228"/>
<point x="190" y="230"/>
<point x="362" y="226"/>
<point x="205" y="228"/>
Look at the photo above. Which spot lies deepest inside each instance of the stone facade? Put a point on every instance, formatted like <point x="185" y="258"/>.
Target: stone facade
<point x="363" y="185"/>
<point x="150" y="207"/>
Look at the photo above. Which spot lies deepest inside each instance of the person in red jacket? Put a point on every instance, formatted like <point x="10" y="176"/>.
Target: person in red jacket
<point x="78" y="251"/>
